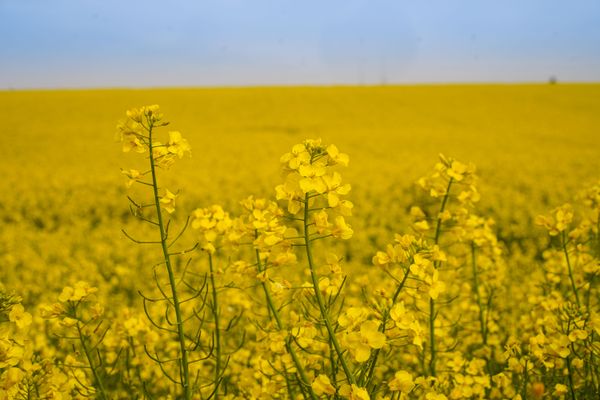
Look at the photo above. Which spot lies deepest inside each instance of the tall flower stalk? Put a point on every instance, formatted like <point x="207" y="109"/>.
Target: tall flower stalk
<point x="314" y="191"/>
<point x="265" y="225"/>
<point x="138" y="134"/>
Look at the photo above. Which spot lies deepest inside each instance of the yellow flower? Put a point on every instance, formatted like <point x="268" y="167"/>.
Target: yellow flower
<point x="335" y="189"/>
<point x="402" y="382"/>
<point x="71" y="361"/>
<point x="177" y="145"/>
<point x="417" y="213"/>
<point x="132" y="142"/>
<point x="560" y="346"/>
<point x="558" y="221"/>
<point x="133" y="175"/>
<point x="353" y="392"/>
<point x="18" y="315"/>
<point x="560" y="389"/>
<point x="298" y="156"/>
<point x="135" y="114"/>
<point x="469" y="196"/>
<point x="134" y="130"/>
<point x="381" y="259"/>
<point x="435" y="396"/>
<point x="418" y="333"/>
<point x="341" y="229"/>
<point x="420" y="266"/>
<point x="400" y="315"/>
<point x="284" y="192"/>
<point x="68" y="322"/>
<point x="457" y="170"/>
<point x="167" y="201"/>
<point x="436" y="286"/>
<point x="308" y="171"/>
<point x="312" y="184"/>
<point x="133" y="326"/>
<point x="361" y="343"/>
<point x="10" y="353"/>
<point x="312" y="170"/>
<point x="277" y="342"/>
<point x="97" y="310"/>
<point x="421" y="226"/>
<point x="345" y="208"/>
<point x="161" y="155"/>
<point x="52" y="310"/>
<point x="10" y="378"/>
<point x="353" y="317"/>
<point x="321" y="223"/>
<point x="305" y="335"/>
<point x="214" y="223"/>
<point x="81" y="291"/>
<point x="577" y="334"/>
<point x="336" y="156"/>
<point x="322" y="386"/>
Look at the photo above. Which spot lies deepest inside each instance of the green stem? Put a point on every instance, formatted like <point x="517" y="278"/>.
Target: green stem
<point x="438" y="226"/>
<point x="304" y="382"/>
<point x="432" y="337"/>
<point x="564" y="246"/>
<point x="271" y="306"/>
<point x="588" y="296"/>
<point x="482" y="319"/>
<point x="436" y="264"/>
<point x="569" y="366"/>
<point x="525" y="382"/>
<point x="598" y="235"/>
<point x="315" y="281"/>
<point x="382" y="328"/>
<point x="288" y="386"/>
<point x="334" y="367"/>
<point x="593" y="368"/>
<point x="97" y="380"/>
<point x="482" y="326"/>
<point x="571" y="384"/>
<point x="185" y="378"/>
<point x="215" y="309"/>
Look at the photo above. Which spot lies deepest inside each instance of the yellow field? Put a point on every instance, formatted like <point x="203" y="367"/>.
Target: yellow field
<point x="516" y="310"/>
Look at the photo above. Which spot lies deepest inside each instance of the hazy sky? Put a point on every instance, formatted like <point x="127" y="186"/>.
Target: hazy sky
<point x="108" y="43"/>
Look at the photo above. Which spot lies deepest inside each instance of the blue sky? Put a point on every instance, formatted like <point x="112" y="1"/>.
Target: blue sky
<point x="130" y="43"/>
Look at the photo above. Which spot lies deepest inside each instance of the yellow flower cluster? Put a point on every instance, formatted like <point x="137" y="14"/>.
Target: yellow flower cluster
<point x="136" y="133"/>
<point x="449" y="170"/>
<point x="308" y="174"/>
<point x="20" y="371"/>
<point x="265" y="226"/>
<point x="212" y="224"/>
<point x="360" y="342"/>
<point x="558" y="221"/>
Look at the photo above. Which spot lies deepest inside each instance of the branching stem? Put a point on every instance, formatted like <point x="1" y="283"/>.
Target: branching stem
<point x="215" y="309"/>
<point x="304" y="382"/>
<point x="432" y="312"/>
<point x="184" y="365"/>
<point x="321" y="303"/>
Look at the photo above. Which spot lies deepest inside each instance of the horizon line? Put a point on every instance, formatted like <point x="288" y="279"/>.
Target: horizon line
<point x="292" y="85"/>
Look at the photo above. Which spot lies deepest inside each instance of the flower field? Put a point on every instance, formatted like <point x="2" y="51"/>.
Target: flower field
<point x="401" y="242"/>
